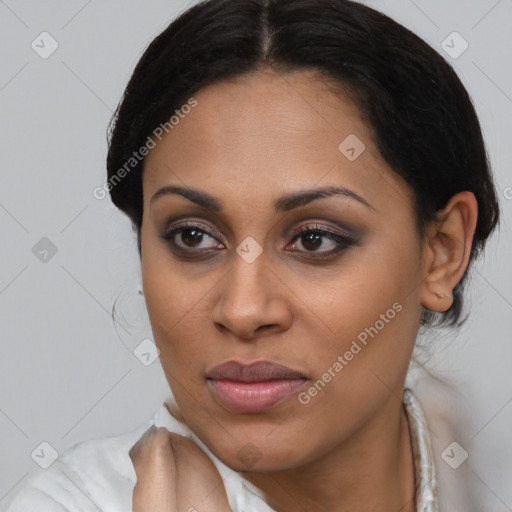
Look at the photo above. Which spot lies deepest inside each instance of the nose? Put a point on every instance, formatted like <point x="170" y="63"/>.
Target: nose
<point x="252" y="300"/>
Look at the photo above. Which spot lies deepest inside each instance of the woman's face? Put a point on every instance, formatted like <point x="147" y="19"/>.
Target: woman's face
<point x="338" y="304"/>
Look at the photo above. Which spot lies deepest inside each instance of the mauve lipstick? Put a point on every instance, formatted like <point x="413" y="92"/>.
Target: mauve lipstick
<point x="254" y="387"/>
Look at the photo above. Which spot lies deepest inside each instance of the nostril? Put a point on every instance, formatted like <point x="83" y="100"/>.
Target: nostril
<point x="264" y="327"/>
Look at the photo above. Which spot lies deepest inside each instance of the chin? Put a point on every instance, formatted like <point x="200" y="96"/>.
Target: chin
<point x="257" y="455"/>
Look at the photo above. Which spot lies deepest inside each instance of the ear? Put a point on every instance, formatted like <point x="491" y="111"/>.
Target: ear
<point x="447" y="250"/>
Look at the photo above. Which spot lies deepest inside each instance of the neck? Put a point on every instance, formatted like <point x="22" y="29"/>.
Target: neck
<point x="373" y="470"/>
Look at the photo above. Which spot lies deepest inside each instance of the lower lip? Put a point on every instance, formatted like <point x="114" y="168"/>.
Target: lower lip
<point x="253" y="396"/>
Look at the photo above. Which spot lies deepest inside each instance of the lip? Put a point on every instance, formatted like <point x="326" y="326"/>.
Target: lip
<point x="254" y="387"/>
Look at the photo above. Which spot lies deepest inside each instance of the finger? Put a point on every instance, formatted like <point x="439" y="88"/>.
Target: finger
<point x="153" y="461"/>
<point x="153" y="446"/>
<point x="200" y="487"/>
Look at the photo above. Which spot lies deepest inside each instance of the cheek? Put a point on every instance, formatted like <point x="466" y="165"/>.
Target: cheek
<point x="178" y="312"/>
<point x="165" y="296"/>
<point x="371" y="281"/>
<point x="165" y="292"/>
<point x="389" y="268"/>
<point x="372" y="318"/>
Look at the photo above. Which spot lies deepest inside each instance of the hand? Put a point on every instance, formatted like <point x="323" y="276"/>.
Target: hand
<point x="175" y="475"/>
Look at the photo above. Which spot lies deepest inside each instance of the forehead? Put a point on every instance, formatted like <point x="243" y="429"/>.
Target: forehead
<point x="272" y="132"/>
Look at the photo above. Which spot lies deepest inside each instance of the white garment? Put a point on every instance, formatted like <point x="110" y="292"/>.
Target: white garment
<point x="98" y="475"/>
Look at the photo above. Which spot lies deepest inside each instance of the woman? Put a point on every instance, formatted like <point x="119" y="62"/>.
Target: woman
<point x="309" y="185"/>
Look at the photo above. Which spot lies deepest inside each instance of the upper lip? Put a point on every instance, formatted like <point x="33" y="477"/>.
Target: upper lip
<point x="254" y="372"/>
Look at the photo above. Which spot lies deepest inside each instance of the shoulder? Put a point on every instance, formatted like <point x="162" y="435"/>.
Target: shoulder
<point x="91" y="475"/>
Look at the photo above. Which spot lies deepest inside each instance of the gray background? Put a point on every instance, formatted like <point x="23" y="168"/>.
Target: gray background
<point x="67" y="372"/>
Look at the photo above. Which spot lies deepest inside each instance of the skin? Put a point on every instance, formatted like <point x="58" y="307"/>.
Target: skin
<point x="172" y="473"/>
<point x="248" y="142"/>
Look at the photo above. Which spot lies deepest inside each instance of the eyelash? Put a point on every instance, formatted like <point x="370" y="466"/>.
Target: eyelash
<point x="343" y="240"/>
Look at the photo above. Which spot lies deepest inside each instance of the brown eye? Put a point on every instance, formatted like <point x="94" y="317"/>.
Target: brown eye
<point x="319" y="240"/>
<point x="186" y="237"/>
<point x="191" y="237"/>
<point x="312" y="241"/>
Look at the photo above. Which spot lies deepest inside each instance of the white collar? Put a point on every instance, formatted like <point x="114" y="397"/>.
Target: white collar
<point x="426" y="484"/>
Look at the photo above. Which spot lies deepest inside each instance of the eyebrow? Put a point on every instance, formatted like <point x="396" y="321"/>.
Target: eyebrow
<point x="282" y="204"/>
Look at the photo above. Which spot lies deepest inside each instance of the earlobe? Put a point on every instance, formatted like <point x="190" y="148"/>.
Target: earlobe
<point x="447" y="251"/>
<point x="441" y="302"/>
